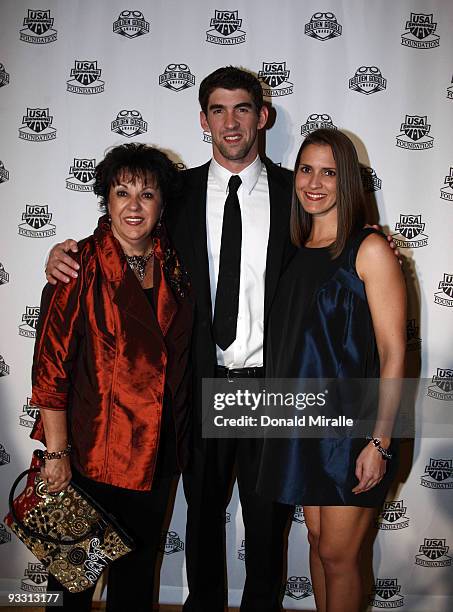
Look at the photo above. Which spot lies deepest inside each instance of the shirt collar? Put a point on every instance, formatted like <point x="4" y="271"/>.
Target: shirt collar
<point x="249" y="175"/>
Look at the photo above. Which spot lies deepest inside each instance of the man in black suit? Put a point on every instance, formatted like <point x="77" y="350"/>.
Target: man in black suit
<point x="233" y="237"/>
<point x="232" y="111"/>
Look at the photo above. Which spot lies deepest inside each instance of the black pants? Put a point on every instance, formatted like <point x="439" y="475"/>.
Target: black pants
<point x="131" y="579"/>
<point x="207" y="487"/>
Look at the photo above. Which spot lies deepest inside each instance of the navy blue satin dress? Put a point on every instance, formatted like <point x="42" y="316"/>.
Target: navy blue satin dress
<point x="320" y="327"/>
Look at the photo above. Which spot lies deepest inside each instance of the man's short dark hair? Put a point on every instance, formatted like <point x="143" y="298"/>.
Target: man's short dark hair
<point x="134" y="161"/>
<point x="230" y="77"/>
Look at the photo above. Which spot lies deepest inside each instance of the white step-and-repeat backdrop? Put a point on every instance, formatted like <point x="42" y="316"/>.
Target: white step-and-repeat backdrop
<point x="77" y="77"/>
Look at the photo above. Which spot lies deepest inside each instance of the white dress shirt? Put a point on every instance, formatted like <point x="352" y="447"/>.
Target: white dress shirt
<point x="253" y="195"/>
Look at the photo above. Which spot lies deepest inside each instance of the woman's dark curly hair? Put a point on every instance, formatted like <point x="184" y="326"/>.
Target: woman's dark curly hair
<point x="134" y="161"/>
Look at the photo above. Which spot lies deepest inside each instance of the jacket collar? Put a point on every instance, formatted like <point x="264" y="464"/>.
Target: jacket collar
<point x="124" y="286"/>
<point x="249" y="176"/>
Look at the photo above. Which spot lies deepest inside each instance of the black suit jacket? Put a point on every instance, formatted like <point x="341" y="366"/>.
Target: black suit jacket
<point x="186" y="223"/>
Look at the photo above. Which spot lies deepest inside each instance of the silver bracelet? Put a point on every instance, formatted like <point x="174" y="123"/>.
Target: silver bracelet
<point x="377" y="445"/>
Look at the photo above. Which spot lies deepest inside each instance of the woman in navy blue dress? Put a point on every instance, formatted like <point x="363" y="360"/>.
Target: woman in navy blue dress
<point x="340" y="312"/>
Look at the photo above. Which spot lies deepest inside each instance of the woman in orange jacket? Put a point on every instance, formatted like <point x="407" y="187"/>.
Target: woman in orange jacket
<point x="110" y="368"/>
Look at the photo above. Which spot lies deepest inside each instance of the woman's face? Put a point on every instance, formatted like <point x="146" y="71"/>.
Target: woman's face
<point x="316" y="179"/>
<point x="135" y="208"/>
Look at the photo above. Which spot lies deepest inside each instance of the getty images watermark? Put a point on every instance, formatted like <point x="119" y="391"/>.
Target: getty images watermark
<point x="319" y="408"/>
<point x="269" y="400"/>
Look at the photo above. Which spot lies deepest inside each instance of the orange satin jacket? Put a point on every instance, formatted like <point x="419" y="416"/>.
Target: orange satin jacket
<point x="103" y="355"/>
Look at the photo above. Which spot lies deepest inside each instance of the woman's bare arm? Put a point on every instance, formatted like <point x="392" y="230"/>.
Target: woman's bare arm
<point x="386" y="294"/>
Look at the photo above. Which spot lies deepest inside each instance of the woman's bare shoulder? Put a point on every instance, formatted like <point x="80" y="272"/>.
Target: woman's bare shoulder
<point x="376" y="255"/>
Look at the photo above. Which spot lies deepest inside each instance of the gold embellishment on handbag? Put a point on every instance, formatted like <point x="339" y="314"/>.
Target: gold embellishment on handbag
<point x="72" y="536"/>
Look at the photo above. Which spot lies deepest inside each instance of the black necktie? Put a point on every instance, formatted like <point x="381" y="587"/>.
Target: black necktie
<point x="227" y="294"/>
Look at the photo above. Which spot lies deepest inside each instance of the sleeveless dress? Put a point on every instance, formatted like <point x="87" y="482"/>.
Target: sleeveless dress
<point x="320" y="327"/>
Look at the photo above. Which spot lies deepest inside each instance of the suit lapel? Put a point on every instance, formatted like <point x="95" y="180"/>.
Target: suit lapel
<point x="194" y="226"/>
<point x="279" y="195"/>
<point x="192" y="233"/>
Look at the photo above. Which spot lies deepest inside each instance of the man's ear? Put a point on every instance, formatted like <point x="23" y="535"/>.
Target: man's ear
<point x="204" y="122"/>
<point x="263" y="116"/>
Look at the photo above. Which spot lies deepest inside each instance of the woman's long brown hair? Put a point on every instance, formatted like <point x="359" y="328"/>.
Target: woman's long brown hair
<point x="350" y="194"/>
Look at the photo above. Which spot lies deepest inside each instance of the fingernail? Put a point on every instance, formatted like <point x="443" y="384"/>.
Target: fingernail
<point x="74" y="274"/>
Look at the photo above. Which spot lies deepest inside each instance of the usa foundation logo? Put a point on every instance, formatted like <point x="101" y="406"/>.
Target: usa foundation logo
<point x="81" y="175"/>
<point x="367" y="80"/>
<point x="35" y="578"/>
<point x="4" y="367"/>
<point x="27" y="328"/>
<point x="316" y="121"/>
<point x="275" y="79"/>
<point x="4" y="276"/>
<point x="4" y="76"/>
<point x="37" y="125"/>
<point x="298" y="587"/>
<point x="442" y="389"/>
<point x="438" y="474"/>
<point x="419" y="33"/>
<point x="414" y="341"/>
<point x="177" y="77"/>
<point x="393" y="516"/>
<point x="370" y="180"/>
<point x="131" y="24"/>
<point x="241" y="551"/>
<point x="450" y="91"/>
<point x="37" y="222"/>
<point x="387" y="594"/>
<point x="38" y="28"/>
<point x="410" y="232"/>
<point x="444" y="297"/>
<point x="129" y="123"/>
<point x="171" y="543"/>
<point x="446" y="193"/>
<point x="29" y="414"/>
<point x="5" y="536"/>
<point x="4" y="174"/>
<point x="433" y="553"/>
<point x="298" y="516"/>
<point x="226" y="29"/>
<point x="323" y="26"/>
<point x="86" y="78"/>
<point x="415" y="133"/>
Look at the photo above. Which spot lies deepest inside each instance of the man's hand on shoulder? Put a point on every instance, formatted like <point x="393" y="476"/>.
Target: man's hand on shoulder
<point x="60" y="265"/>
<point x="391" y="244"/>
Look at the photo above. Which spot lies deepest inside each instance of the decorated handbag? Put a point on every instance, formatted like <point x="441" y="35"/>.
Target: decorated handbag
<point x="69" y="532"/>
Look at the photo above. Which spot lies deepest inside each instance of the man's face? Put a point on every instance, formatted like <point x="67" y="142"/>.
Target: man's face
<point x="233" y="123"/>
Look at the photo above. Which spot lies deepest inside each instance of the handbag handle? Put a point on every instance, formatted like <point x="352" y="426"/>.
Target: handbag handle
<point x="35" y="534"/>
